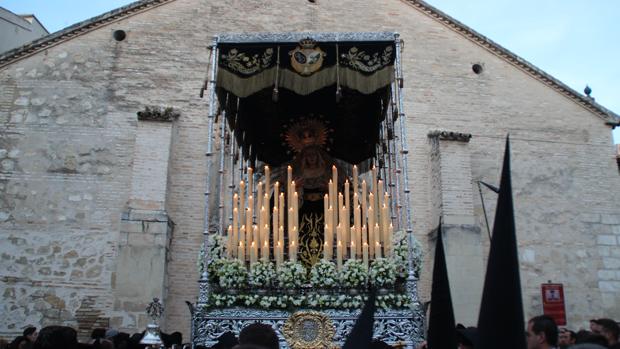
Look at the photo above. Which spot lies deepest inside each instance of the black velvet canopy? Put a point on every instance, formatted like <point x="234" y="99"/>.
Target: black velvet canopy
<point x="267" y="87"/>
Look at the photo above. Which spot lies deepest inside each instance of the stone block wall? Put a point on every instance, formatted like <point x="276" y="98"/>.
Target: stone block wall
<point x="69" y="138"/>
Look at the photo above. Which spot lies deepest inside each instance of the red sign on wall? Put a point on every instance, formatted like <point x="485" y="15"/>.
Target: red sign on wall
<point x="553" y="302"/>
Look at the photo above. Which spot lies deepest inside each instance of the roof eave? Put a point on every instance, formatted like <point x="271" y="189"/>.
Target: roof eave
<point x="77" y="29"/>
<point x="588" y="103"/>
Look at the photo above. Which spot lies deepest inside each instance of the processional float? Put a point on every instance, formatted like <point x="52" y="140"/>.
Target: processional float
<point x="307" y="194"/>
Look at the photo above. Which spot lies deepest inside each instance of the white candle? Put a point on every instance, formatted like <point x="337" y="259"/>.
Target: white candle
<point x="267" y="181"/>
<point x="295" y="211"/>
<point x="235" y="214"/>
<point x="292" y="251"/>
<point x="357" y="227"/>
<point x="377" y="250"/>
<point x="274" y="223"/>
<point x="278" y="254"/>
<point x="229" y="243"/>
<point x="265" y="251"/>
<point x="290" y="222"/>
<point x="365" y="254"/>
<point x="242" y="202"/>
<point x="335" y="176"/>
<point x="293" y="188"/>
<point x="241" y="252"/>
<point x="330" y="217"/>
<point x="276" y="194"/>
<point x="384" y="226"/>
<point x="259" y="196"/>
<point x="282" y="210"/>
<point x="364" y="203"/>
<point x="249" y="211"/>
<point x="250" y="181"/>
<point x="347" y="213"/>
<point x="371" y="210"/>
<point x="289" y="180"/>
<point x="325" y="253"/>
<point x="295" y="235"/>
<point x="380" y="193"/>
<point x="247" y="233"/>
<point x="371" y="230"/>
<point x="242" y="237"/>
<point x="235" y="227"/>
<point x="339" y="255"/>
<point x="280" y="236"/>
<point x="355" y="181"/>
<point x="328" y="243"/>
<point x="255" y="238"/>
<point x="374" y="184"/>
<point x="253" y="253"/>
<point x="353" y="250"/>
<point x="261" y="225"/>
<point x="364" y="235"/>
<point x="390" y="240"/>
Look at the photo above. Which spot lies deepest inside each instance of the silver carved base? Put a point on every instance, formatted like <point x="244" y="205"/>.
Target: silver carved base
<point x="391" y="326"/>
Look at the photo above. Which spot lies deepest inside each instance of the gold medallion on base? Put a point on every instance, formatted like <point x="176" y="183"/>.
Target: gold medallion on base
<point x="309" y="330"/>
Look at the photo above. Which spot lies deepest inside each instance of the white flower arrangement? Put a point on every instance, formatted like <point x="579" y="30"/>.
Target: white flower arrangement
<point x="382" y="272"/>
<point x="216" y="246"/>
<point x="401" y="254"/>
<point x="353" y="274"/>
<point x="213" y="268"/>
<point x="216" y="251"/>
<point x="291" y="275"/>
<point x="393" y="301"/>
<point x="313" y="301"/>
<point x="323" y="274"/>
<point x="232" y="274"/>
<point x="262" y="274"/>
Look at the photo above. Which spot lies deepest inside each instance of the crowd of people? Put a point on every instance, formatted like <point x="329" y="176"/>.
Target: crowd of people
<point x="63" y="337"/>
<point x="542" y="333"/>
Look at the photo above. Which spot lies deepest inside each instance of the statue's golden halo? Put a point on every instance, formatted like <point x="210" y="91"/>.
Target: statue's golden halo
<point x="305" y="133"/>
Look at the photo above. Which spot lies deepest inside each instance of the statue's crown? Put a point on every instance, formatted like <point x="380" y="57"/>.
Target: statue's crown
<point x="307" y="43"/>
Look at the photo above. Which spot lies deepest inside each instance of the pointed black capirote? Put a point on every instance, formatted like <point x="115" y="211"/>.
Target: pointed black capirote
<point x="360" y="336"/>
<point x="501" y="321"/>
<point x="441" y="325"/>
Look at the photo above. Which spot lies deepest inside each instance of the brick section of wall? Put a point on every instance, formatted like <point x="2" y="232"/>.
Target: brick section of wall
<point x="150" y="165"/>
<point x="453" y="203"/>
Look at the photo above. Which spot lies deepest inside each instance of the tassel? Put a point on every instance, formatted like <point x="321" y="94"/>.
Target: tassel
<point x="338" y="89"/>
<point x="275" y="95"/>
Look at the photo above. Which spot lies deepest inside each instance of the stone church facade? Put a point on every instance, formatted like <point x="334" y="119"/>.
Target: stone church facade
<point x="101" y="210"/>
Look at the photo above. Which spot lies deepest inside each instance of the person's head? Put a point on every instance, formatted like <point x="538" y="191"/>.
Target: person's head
<point x="20" y="342"/>
<point x="226" y="341"/>
<point x="566" y="337"/>
<point x="608" y="328"/>
<point x="466" y="337"/>
<point x="379" y="344"/>
<point x="593" y="338"/>
<point x="582" y="335"/>
<point x="98" y="333"/>
<point x="594" y="326"/>
<point x="52" y="337"/>
<point x="259" y="334"/>
<point x="30" y="333"/>
<point x="542" y="332"/>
